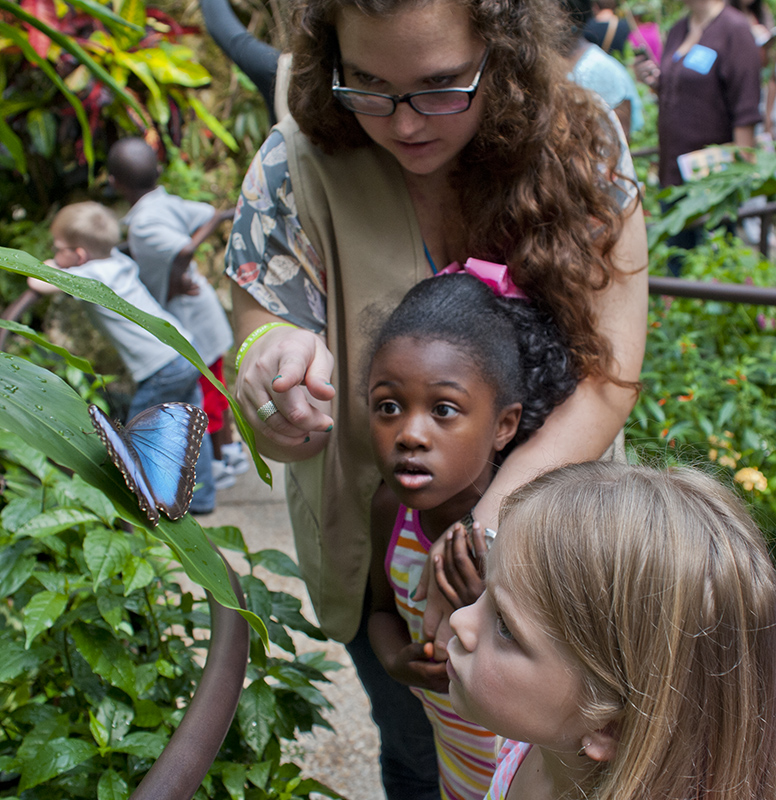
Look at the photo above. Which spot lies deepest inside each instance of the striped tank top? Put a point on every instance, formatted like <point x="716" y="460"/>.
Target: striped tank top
<point x="466" y="753"/>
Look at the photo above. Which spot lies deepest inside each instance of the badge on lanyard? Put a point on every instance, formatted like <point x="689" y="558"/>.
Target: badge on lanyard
<point x="700" y="59"/>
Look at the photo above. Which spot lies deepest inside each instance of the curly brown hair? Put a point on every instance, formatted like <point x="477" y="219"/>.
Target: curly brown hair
<point x="534" y="183"/>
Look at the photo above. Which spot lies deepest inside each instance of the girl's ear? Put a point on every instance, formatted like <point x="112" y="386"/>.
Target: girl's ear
<point x="506" y="425"/>
<point x="601" y="745"/>
<point x="81" y="255"/>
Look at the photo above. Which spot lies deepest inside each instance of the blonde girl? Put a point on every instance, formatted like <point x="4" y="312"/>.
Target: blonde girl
<point x="626" y="643"/>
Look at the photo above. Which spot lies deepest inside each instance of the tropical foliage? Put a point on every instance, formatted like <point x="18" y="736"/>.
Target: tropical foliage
<point x="100" y="658"/>
<point x="709" y="397"/>
<point x="102" y="650"/>
<point x="76" y="75"/>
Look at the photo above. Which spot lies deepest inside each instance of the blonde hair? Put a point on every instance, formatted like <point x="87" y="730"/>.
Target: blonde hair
<point x="661" y="585"/>
<point x="89" y="225"/>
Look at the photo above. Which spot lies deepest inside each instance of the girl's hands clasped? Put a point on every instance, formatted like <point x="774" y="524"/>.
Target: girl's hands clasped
<point x="292" y="368"/>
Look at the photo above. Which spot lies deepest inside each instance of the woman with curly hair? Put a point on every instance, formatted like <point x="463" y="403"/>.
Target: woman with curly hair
<point x="423" y="132"/>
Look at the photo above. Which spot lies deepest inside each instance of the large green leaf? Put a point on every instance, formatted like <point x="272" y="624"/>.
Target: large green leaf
<point x="256" y="710"/>
<point x="95" y="292"/>
<point x="29" y="333"/>
<point x="47" y="414"/>
<point x="112" y="786"/>
<point x="60" y="756"/>
<point x="105" y="554"/>
<point x="107" y="657"/>
<point x="43" y="610"/>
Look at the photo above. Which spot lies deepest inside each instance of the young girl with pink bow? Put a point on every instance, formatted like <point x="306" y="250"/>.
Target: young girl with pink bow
<point x="462" y="371"/>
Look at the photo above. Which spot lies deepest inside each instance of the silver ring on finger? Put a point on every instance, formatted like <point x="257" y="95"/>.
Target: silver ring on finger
<point x="266" y="411"/>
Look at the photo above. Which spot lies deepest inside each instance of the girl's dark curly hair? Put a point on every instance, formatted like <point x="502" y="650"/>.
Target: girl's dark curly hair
<point x="535" y="181"/>
<point x="517" y="348"/>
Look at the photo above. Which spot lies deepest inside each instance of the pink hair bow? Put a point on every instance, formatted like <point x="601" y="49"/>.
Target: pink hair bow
<point x="496" y="276"/>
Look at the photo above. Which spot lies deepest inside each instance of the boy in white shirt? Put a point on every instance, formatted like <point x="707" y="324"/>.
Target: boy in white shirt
<point x="85" y="237"/>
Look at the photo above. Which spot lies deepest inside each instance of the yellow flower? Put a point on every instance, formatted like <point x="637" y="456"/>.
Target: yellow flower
<point x="727" y="461"/>
<point x="751" y="478"/>
<point x="713" y="455"/>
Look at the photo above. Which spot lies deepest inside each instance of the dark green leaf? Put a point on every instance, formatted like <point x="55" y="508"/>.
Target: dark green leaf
<point x="233" y="777"/>
<point x="277" y="562"/>
<point x="42" y="611"/>
<point x="17" y="660"/>
<point x="54" y="521"/>
<point x="106" y="553"/>
<point x="256" y="713"/>
<point x="106" y="656"/>
<point x="111" y="785"/>
<point x="15" y="568"/>
<point x="142" y="744"/>
<point x="60" y="755"/>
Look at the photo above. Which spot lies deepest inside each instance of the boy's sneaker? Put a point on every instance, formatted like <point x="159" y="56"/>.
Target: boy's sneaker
<point x="234" y="457"/>
<point x="223" y="477"/>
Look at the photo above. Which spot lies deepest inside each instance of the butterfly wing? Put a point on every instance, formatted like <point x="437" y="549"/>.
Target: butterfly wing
<point x="125" y="458"/>
<point x="167" y="440"/>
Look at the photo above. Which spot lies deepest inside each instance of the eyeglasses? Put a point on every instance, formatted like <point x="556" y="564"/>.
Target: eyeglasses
<point x="433" y="102"/>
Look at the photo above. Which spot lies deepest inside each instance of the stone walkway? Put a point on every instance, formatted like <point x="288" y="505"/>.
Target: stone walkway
<point x="346" y="759"/>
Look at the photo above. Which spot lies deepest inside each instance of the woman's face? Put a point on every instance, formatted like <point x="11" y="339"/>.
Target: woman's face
<point x="430" y="46"/>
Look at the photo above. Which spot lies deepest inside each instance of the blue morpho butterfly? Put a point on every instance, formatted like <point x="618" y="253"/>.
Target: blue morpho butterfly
<point x="156" y="453"/>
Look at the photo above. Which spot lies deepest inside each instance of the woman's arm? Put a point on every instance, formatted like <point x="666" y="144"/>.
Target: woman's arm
<point x="582" y="427"/>
<point x="292" y="367"/>
<point x="586" y="424"/>
<point x="274" y="269"/>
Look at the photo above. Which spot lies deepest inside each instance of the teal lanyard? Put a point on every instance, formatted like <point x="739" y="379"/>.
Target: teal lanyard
<point x="429" y="259"/>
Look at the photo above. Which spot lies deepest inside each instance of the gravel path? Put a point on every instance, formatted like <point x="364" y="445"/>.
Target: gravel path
<point x="347" y="758"/>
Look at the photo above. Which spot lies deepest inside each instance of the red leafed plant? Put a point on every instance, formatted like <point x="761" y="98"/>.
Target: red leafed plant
<point x="77" y="74"/>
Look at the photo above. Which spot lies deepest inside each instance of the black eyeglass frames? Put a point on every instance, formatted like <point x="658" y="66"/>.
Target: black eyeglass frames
<point x="433" y="102"/>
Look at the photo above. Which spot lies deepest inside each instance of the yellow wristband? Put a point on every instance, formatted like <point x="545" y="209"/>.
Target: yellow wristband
<point x="252" y="338"/>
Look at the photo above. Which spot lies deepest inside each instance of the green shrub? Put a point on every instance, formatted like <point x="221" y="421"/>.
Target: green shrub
<point x="99" y="662"/>
<point x="709" y="394"/>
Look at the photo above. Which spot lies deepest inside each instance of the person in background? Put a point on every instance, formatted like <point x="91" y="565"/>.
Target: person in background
<point x="591" y="67"/>
<point x="760" y="20"/>
<point x="625" y="645"/>
<point x="85" y="237"/>
<point x="708" y="88"/>
<point x="645" y="37"/>
<point x="164" y="232"/>
<point x="605" y="28"/>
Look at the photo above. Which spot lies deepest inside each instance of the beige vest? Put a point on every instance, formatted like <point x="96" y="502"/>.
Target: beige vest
<point x="357" y="212"/>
